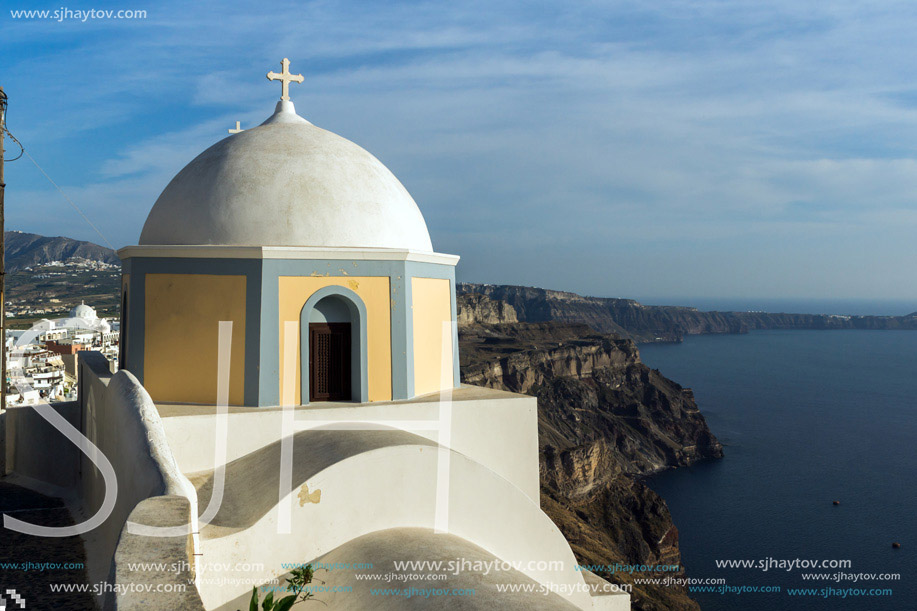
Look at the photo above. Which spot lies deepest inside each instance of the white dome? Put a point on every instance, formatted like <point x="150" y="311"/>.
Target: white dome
<point x="286" y="183"/>
<point x="83" y="311"/>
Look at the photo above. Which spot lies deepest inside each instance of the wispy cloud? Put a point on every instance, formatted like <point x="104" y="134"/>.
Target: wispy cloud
<point x="630" y="147"/>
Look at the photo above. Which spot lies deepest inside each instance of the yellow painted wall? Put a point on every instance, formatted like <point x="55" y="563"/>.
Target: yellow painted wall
<point x="293" y="293"/>
<point x="182" y="318"/>
<point x="432" y="307"/>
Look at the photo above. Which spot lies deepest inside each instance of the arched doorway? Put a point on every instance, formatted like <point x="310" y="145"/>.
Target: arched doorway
<point x="333" y="347"/>
<point x="329" y="351"/>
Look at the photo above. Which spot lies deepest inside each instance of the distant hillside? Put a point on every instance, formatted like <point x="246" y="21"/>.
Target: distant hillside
<point x="29" y="249"/>
<point x="633" y="320"/>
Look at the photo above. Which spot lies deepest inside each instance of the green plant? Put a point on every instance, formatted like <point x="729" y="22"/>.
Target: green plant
<point x="298" y="580"/>
<point x="296" y="583"/>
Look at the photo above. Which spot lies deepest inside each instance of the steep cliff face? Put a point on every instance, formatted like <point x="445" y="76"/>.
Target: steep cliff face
<point x="604" y="419"/>
<point x="623" y="522"/>
<point x="591" y="388"/>
<point x="642" y="323"/>
<point x="541" y="305"/>
<point x="475" y="308"/>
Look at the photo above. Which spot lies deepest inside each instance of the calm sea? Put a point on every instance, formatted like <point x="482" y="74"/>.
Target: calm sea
<point x="807" y="418"/>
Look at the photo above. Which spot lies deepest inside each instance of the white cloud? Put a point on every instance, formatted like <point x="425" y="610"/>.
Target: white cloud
<point x="702" y="124"/>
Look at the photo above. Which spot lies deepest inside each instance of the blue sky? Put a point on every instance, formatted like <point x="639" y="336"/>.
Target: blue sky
<point x="634" y="149"/>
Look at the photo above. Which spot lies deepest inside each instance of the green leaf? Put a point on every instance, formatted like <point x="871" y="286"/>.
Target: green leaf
<point x="285" y="603"/>
<point x="268" y="603"/>
<point x="253" y="605"/>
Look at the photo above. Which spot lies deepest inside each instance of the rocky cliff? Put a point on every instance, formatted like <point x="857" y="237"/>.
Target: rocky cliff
<point x="642" y="323"/>
<point x="605" y="419"/>
<point x="474" y="308"/>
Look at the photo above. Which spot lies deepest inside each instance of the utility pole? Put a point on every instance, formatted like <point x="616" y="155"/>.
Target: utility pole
<point x="2" y="261"/>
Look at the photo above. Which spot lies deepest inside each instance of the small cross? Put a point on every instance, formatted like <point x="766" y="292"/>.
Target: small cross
<point x="285" y="78"/>
<point x="237" y="129"/>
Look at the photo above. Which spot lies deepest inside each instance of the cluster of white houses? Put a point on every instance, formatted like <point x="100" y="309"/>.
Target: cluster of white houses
<point x="74" y="269"/>
<point x="41" y="361"/>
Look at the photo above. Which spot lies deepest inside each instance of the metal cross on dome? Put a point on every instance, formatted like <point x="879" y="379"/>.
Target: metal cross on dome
<point x="285" y="78"/>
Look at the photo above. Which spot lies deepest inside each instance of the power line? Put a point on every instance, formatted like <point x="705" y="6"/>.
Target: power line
<point x="19" y="144"/>
<point x="56" y="186"/>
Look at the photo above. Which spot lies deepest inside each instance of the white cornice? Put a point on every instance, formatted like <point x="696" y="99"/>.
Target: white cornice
<point x="285" y="252"/>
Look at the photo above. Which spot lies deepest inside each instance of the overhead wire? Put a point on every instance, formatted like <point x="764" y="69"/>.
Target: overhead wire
<point x="22" y="152"/>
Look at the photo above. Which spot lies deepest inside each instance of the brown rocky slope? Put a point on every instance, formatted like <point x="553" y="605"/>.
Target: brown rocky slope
<point x="605" y="419"/>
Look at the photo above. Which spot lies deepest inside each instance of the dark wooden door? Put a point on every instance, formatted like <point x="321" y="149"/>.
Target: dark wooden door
<point x="329" y="361"/>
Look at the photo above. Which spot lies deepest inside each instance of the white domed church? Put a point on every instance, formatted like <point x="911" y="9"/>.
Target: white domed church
<point x="290" y="394"/>
<point x="288" y="223"/>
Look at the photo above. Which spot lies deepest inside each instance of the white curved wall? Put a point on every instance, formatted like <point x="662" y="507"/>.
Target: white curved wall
<point x="396" y="487"/>
<point x="494" y="428"/>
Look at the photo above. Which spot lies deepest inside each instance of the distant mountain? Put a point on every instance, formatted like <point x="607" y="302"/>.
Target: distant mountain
<point x="641" y="323"/>
<point x="29" y="249"/>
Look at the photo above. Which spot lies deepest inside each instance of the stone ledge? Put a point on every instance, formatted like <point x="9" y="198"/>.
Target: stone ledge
<point x="160" y="511"/>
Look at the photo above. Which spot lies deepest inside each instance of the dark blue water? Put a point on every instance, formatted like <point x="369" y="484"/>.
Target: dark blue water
<point x="807" y="417"/>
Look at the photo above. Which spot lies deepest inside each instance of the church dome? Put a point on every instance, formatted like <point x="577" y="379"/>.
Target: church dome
<point x="83" y="311"/>
<point x="286" y="183"/>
